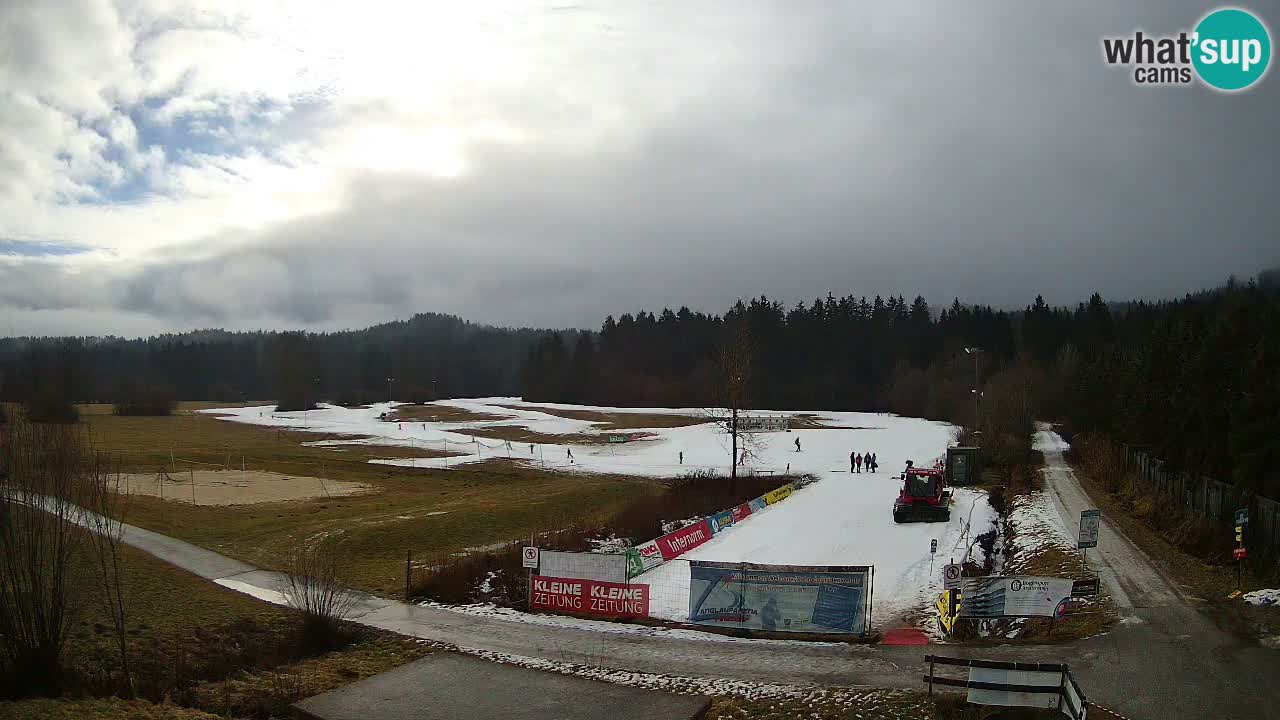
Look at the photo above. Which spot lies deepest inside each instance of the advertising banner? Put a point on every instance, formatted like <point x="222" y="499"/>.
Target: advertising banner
<point x="720" y="521"/>
<point x="589" y="597"/>
<point x="780" y="494"/>
<point x="741" y="512"/>
<point x="779" y="598"/>
<point x="584" y="565"/>
<point x="758" y="504"/>
<point x="1014" y="596"/>
<point x="755" y="423"/>
<point x="642" y="558"/>
<point x="675" y="544"/>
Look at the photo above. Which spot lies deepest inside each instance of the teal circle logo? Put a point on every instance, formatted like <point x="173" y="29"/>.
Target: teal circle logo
<point x="1232" y="49"/>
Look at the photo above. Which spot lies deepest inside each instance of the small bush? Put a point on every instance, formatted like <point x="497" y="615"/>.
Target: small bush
<point x="314" y="588"/>
<point x="141" y="400"/>
<point x="50" y="408"/>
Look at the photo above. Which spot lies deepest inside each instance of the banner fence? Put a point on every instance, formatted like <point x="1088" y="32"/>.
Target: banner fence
<point x="781" y="598"/>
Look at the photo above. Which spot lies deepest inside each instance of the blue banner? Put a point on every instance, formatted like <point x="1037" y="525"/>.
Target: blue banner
<point x="759" y="504"/>
<point x="720" y="521"/>
<point x="779" y="598"/>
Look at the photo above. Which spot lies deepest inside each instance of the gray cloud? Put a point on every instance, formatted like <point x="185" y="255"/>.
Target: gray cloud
<point x="987" y="154"/>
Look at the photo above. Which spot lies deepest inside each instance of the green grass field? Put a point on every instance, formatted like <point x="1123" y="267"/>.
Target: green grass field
<point x="419" y="510"/>
<point x="198" y="648"/>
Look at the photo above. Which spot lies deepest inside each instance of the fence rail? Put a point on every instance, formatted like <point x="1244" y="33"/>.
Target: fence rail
<point x="1215" y="501"/>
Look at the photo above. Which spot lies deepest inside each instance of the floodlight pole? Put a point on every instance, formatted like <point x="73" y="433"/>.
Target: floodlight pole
<point x="976" y="352"/>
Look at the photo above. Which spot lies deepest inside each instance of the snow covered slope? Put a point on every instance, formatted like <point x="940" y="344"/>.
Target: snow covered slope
<point x="844" y="519"/>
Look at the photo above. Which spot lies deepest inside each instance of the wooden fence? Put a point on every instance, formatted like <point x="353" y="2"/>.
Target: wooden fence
<point x="1216" y="501"/>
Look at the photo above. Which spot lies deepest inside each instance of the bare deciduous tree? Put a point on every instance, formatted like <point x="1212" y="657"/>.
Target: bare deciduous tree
<point x="313" y="586"/>
<point x="733" y="366"/>
<point x="56" y="496"/>
<point x="106" y="505"/>
<point x="39" y="537"/>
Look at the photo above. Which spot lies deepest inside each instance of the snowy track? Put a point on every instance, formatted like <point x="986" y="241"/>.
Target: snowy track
<point x="844" y="519"/>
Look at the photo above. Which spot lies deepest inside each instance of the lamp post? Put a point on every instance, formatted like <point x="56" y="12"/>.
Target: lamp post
<point x="976" y="352"/>
<point x="389" y="381"/>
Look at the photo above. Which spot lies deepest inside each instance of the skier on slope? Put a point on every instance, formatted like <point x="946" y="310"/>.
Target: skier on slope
<point x="852" y="455"/>
<point x="857" y="460"/>
<point x="875" y="464"/>
<point x="797" y="444"/>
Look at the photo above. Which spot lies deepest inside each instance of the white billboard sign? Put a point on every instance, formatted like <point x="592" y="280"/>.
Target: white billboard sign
<point x="584" y="566"/>
<point x="1014" y="596"/>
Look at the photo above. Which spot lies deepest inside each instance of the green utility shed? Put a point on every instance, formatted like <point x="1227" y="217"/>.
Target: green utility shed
<point x="963" y="465"/>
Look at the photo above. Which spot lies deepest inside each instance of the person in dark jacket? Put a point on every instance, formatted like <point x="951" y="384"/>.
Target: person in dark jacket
<point x="875" y="464"/>
<point x="857" y="460"/>
<point x="852" y="455"/>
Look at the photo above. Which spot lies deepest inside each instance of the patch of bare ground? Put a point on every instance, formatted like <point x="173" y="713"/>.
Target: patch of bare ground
<point x="440" y="413"/>
<point x="618" y="420"/>
<point x="236" y="487"/>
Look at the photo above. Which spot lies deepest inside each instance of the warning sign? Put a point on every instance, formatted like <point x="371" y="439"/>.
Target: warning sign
<point x="950" y="577"/>
<point x="529" y="558"/>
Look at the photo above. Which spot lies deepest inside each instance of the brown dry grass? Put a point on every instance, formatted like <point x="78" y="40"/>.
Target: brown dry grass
<point x="441" y="413"/>
<point x="411" y="509"/>
<point x="618" y="420"/>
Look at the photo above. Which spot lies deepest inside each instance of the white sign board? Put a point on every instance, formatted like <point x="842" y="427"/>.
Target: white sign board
<point x="1090" y="521"/>
<point x="604" y="567"/>
<point x="950" y="577"/>
<point x="529" y="557"/>
<point x="1014" y="596"/>
<point x="1050" y="681"/>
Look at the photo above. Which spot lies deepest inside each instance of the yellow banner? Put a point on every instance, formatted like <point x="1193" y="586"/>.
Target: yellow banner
<point x="782" y="493"/>
<point x="946" y="618"/>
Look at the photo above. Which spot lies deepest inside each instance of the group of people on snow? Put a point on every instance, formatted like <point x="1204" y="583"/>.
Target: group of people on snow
<point x="856" y="462"/>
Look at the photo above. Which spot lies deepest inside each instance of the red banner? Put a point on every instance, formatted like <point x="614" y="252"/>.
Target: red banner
<point x="589" y="597"/>
<point x="741" y="512"/>
<point x="681" y="541"/>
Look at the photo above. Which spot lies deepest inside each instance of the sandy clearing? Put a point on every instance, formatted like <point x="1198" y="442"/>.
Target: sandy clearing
<point x="233" y="487"/>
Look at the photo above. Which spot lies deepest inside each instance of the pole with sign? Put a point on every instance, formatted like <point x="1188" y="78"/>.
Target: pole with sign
<point x="933" y="550"/>
<point x="1090" y="525"/>
<point x="529" y="560"/>
<point x="1240" y="553"/>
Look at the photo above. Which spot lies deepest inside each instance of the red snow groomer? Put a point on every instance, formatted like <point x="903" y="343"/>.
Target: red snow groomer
<point x="924" y="496"/>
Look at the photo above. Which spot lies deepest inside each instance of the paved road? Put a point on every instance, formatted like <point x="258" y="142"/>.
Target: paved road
<point x="1167" y="656"/>
<point x="1167" y="661"/>
<point x="444" y="686"/>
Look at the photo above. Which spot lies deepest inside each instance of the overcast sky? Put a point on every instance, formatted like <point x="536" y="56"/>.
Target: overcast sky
<point x="170" y="164"/>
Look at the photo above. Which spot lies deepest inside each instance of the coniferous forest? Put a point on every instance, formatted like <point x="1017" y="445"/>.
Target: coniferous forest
<point x="1196" y="380"/>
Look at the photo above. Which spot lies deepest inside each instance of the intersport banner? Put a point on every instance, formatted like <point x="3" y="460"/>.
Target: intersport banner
<point x="779" y="598"/>
<point x="721" y="520"/>
<point x="589" y="597"/>
<point x="642" y="558"/>
<point x="675" y="544"/>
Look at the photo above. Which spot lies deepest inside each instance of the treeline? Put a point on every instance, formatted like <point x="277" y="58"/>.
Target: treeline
<point x="1196" y="380"/>
<point x="427" y="356"/>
